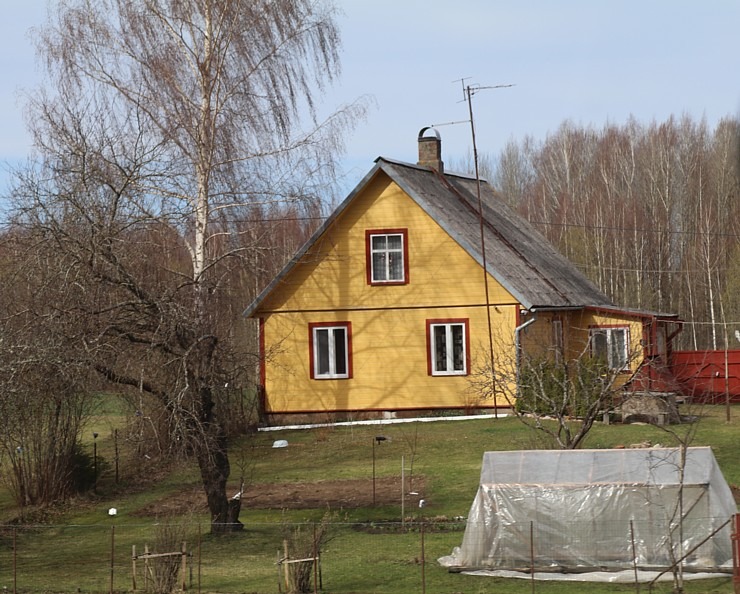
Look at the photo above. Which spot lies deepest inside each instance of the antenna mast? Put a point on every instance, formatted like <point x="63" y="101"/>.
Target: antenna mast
<point x="468" y="92"/>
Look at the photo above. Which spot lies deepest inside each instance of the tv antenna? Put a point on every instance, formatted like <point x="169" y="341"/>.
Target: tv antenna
<point x="468" y="91"/>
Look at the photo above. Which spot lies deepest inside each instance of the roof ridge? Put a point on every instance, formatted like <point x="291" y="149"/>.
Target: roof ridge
<point x="425" y="168"/>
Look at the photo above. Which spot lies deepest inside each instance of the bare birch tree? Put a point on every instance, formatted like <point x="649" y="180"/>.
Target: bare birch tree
<point x="649" y="211"/>
<point x="168" y="123"/>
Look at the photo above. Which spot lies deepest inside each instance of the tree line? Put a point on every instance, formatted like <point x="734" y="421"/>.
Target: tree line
<point x="649" y="212"/>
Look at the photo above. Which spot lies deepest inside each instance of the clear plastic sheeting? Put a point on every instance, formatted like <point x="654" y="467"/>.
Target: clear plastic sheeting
<point x="595" y="510"/>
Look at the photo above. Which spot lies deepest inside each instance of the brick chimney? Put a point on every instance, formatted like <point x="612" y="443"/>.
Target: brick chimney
<point x="430" y="150"/>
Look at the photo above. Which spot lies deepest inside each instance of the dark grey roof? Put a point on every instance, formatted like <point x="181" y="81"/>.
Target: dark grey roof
<point x="517" y="255"/>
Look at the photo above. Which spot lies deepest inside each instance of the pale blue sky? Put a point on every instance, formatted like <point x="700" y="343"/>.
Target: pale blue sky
<point x="589" y="61"/>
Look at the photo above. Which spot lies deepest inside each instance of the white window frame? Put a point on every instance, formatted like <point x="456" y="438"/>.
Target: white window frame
<point x="390" y="254"/>
<point x="333" y="353"/>
<point x="616" y="361"/>
<point x="449" y="347"/>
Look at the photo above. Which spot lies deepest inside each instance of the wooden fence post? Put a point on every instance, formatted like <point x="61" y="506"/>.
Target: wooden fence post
<point x="147" y="569"/>
<point x="184" y="565"/>
<point x="315" y="552"/>
<point x="286" y="568"/>
<point x="133" y="567"/>
<point x="423" y="562"/>
<point x="199" y="555"/>
<point x="112" y="554"/>
<point x="15" y="560"/>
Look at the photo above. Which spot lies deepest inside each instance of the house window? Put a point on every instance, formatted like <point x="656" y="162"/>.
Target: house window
<point x="557" y="339"/>
<point x="448" y="347"/>
<point x="330" y="346"/>
<point x="662" y="342"/>
<point x="611" y="345"/>
<point x="387" y="257"/>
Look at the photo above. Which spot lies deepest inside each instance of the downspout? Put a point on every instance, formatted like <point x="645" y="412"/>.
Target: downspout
<point x="518" y="345"/>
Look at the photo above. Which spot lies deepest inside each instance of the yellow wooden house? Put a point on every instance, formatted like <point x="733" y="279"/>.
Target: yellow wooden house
<point x="386" y="308"/>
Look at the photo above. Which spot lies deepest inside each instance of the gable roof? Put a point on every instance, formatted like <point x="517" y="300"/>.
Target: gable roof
<point x="517" y="255"/>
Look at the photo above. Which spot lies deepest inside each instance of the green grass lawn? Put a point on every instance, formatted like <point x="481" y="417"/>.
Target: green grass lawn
<point x="73" y="552"/>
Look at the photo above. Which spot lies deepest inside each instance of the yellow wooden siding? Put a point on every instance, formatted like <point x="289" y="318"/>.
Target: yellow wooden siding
<point x="537" y="338"/>
<point x="581" y="323"/>
<point x="332" y="275"/>
<point x="389" y="354"/>
<point x="389" y="343"/>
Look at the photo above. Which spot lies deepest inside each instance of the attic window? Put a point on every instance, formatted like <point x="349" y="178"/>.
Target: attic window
<point x="386" y="252"/>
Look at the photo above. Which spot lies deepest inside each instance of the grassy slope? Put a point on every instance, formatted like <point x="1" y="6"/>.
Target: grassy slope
<point x="75" y="554"/>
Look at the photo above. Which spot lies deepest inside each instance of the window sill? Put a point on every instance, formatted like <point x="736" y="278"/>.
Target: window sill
<point x="333" y="377"/>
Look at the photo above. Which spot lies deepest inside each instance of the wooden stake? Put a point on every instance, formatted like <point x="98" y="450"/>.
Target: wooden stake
<point x="112" y="554"/>
<point x="315" y="562"/>
<point x="184" y="566"/>
<point x="147" y="569"/>
<point x="634" y="555"/>
<point x="423" y="564"/>
<point x="133" y="567"/>
<point x="286" y="566"/>
<point x="403" y="494"/>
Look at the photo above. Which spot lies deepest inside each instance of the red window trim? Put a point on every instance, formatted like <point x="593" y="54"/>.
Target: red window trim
<point x="262" y="368"/>
<point x="262" y="389"/>
<point x="348" y="327"/>
<point x="369" y="258"/>
<point x="432" y="322"/>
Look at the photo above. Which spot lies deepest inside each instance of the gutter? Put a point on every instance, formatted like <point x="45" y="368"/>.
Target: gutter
<point x="518" y="346"/>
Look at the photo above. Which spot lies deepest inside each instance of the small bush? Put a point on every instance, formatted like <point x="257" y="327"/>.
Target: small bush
<point x="169" y="536"/>
<point x="305" y="541"/>
<point x="83" y="466"/>
<point x="549" y="388"/>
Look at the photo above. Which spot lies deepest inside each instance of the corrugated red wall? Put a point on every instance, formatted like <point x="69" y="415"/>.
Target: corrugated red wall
<point x="707" y="375"/>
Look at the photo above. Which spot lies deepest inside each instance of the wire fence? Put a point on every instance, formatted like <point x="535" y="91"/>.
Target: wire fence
<point x="324" y="556"/>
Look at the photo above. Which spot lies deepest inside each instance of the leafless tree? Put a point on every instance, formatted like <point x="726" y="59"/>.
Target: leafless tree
<point x="44" y="386"/>
<point x="648" y="211"/>
<point x="169" y="127"/>
<point x="560" y="399"/>
<point x="681" y="435"/>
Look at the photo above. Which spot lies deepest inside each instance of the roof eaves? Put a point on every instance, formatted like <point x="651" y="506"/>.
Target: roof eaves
<point x="556" y="308"/>
<point x="643" y="313"/>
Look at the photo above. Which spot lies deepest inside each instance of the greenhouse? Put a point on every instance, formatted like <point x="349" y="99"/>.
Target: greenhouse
<point x="596" y="510"/>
